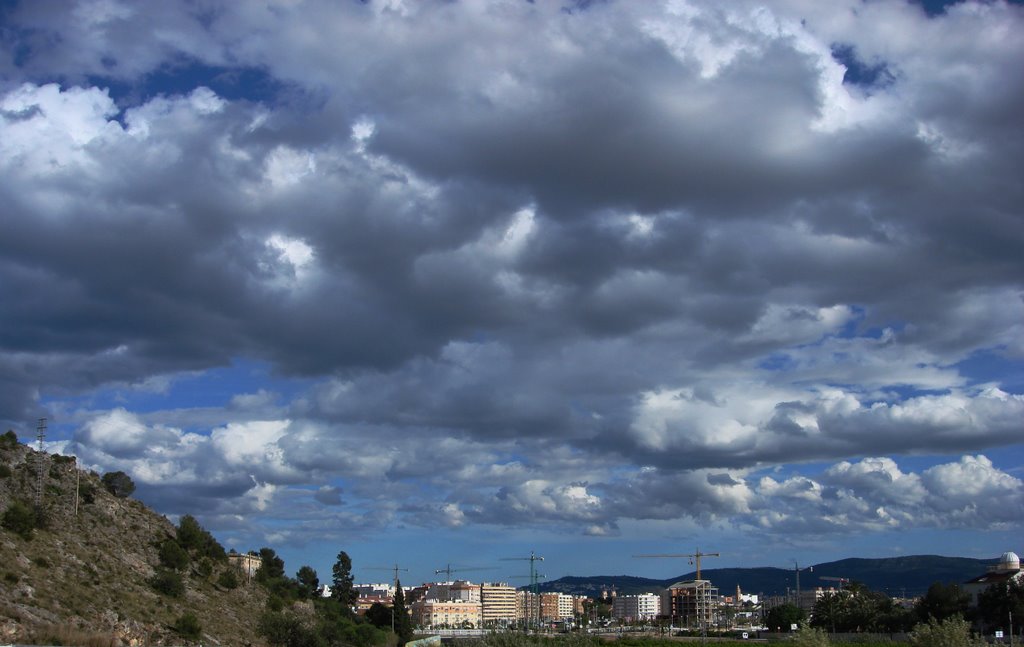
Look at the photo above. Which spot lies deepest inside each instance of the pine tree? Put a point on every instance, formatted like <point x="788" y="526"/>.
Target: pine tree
<point x="403" y="623"/>
<point x="307" y="581"/>
<point x="341" y="582"/>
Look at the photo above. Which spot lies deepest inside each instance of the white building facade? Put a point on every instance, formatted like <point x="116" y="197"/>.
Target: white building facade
<point x="636" y="608"/>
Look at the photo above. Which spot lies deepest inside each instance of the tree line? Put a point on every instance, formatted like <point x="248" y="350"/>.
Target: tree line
<point x="857" y="609"/>
<point x="320" y="621"/>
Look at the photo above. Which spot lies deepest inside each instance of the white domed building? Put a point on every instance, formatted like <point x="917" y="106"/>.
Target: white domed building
<point x="1006" y="570"/>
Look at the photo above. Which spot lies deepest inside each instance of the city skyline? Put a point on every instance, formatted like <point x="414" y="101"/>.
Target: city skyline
<point x="448" y="283"/>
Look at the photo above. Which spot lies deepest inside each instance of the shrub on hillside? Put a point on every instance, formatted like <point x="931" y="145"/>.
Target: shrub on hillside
<point x="119" y="484"/>
<point x="167" y="582"/>
<point x="187" y="626"/>
<point x="228" y="579"/>
<point x="173" y="556"/>
<point x="198" y="540"/>
<point x="9" y="440"/>
<point x="69" y="634"/>
<point x="87" y="492"/>
<point x="286" y="630"/>
<point x="204" y="567"/>
<point x="20" y="519"/>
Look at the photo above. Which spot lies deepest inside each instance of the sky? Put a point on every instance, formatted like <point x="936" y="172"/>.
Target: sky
<point x="444" y="283"/>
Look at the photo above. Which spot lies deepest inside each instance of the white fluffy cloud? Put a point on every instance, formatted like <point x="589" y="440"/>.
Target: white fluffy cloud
<point x="566" y="264"/>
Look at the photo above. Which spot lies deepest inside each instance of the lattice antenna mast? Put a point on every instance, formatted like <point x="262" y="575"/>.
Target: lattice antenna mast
<point x="40" y="472"/>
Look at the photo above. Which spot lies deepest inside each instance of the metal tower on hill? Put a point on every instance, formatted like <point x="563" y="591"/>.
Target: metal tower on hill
<point x="40" y="462"/>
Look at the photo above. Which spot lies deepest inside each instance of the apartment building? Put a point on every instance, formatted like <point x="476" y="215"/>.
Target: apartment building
<point x="446" y="613"/>
<point x="527" y="607"/>
<point x="556" y="606"/>
<point x="383" y="589"/>
<point x="636" y="608"/>
<point x="498" y="604"/>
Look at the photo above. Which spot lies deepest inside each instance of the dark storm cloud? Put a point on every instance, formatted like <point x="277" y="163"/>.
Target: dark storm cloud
<point x="599" y="264"/>
<point x="328" y="495"/>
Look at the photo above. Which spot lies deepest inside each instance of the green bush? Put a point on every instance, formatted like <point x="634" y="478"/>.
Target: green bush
<point x="228" y="579"/>
<point x="168" y="582"/>
<point x="20" y="519"/>
<point x="205" y="567"/>
<point x="952" y="632"/>
<point x="5" y="471"/>
<point x="286" y="630"/>
<point x="87" y="492"/>
<point x="119" y="484"/>
<point x="187" y="626"/>
<point x="808" y="637"/>
<point x="196" y="539"/>
<point x="173" y="556"/>
<point x="9" y="440"/>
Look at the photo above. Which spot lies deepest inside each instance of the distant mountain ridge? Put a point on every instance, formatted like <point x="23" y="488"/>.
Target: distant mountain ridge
<point x="898" y="576"/>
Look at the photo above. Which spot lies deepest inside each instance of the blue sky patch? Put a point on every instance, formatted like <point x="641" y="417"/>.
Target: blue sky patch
<point x="861" y="73"/>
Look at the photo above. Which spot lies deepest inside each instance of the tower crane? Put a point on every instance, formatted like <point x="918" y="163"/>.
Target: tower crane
<point x="797" y="569"/>
<point x="448" y="570"/>
<point x="694" y="558"/>
<point x="533" y="559"/>
<point x="701" y="595"/>
<point x="394" y="568"/>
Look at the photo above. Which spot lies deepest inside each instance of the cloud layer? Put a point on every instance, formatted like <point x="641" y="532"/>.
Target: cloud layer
<point x="565" y="265"/>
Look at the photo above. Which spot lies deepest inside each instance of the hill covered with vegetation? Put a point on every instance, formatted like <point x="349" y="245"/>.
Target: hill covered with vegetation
<point x="897" y="576"/>
<point x="91" y="566"/>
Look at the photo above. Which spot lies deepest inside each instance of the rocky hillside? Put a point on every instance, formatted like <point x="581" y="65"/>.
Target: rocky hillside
<point x="85" y="577"/>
